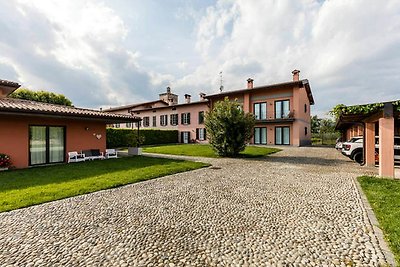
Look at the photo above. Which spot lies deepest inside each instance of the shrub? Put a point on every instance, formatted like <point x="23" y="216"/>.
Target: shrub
<point x="123" y="137"/>
<point x="229" y="128"/>
<point x="41" y="96"/>
<point x="5" y="161"/>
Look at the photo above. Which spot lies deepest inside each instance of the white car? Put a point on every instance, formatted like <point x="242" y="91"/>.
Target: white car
<point x="354" y="149"/>
<point x="339" y="144"/>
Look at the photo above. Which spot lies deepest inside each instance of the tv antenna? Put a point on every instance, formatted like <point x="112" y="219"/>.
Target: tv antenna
<point x="221" y="87"/>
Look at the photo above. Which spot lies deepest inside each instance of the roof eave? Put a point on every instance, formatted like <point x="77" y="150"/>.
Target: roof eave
<point x="306" y="85"/>
<point x="69" y="116"/>
<point x="271" y="86"/>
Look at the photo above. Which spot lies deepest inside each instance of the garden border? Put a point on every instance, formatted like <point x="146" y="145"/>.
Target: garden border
<point x="389" y="257"/>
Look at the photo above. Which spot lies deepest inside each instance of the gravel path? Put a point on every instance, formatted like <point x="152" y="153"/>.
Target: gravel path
<point x="299" y="207"/>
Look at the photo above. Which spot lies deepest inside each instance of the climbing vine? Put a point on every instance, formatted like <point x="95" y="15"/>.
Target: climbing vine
<point x="341" y="109"/>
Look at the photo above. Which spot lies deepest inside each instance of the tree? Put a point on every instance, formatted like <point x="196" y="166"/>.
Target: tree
<point x="315" y="124"/>
<point x="327" y="126"/>
<point x="41" y="96"/>
<point x="229" y="128"/>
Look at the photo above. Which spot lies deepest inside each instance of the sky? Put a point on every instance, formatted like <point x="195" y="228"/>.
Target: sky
<point x="116" y="52"/>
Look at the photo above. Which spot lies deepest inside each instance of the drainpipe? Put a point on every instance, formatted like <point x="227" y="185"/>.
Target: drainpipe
<point x="364" y="146"/>
<point x="138" y="134"/>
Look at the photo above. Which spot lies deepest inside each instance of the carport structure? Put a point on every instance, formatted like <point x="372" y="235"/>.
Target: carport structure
<point x="380" y="120"/>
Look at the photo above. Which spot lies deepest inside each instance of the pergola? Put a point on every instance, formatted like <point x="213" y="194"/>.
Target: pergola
<point x="386" y="118"/>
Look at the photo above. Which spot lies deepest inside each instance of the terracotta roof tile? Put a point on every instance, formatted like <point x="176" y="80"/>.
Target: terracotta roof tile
<point x="9" y="83"/>
<point x="136" y="105"/>
<point x="13" y="105"/>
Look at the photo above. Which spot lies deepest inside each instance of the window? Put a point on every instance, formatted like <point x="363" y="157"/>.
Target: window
<point x="146" y="121"/>
<point x="201" y="134"/>
<point x="128" y="125"/>
<point x="260" y="135"/>
<point x="174" y="119"/>
<point x="138" y="124"/>
<point x="305" y="130"/>
<point x="117" y="125"/>
<point x="46" y="144"/>
<point x="305" y="108"/>
<point x="185" y="137"/>
<point x="163" y="120"/>
<point x="260" y="111"/>
<point x="282" y="109"/>
<point x="154" y="121"/>
<point x="185" y="118"/>
<point x="201" y="117"/>
<point x="282" y="135"/>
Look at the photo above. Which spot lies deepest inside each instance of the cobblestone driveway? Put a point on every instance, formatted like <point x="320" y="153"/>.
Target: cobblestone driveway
<point x="298" y="207"/>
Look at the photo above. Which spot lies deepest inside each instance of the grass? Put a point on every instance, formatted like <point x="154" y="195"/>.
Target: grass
<point x="199" y="150"/>
<point x="23" y="188"/>
<point x="384" y="197"/>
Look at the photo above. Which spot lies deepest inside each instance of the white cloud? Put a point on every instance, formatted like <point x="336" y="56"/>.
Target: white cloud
<point x="81" y="39"/>
<point x="338" y="45"/>
<point x="108" y="53"/>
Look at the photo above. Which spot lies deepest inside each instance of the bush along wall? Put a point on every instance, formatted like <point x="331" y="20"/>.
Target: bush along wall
<point x="120" y="137"/>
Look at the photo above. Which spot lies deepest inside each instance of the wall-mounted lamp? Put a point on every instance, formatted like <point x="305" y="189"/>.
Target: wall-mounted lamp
<point x="86" y="128"/>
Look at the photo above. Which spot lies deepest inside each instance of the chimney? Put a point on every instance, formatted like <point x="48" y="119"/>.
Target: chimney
<point x="202" y="96"/>
<point x="187" y="98"/>
<point x="250" y="83"/>
<point x="296" y="75"/>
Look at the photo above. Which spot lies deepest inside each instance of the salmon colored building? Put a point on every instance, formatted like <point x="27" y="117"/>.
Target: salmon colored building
<point x="34" y="133"/>
<point x="167" y="114"/>
<point x="282" y="112"/>
<point x="381" y="135"/>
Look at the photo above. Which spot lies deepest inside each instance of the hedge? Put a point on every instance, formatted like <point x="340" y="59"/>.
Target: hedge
<point x="118" y="137"/>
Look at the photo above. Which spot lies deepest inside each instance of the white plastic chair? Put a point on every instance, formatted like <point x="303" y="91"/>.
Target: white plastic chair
<point x="75" y="157"/>
<point x="111" y="153"/>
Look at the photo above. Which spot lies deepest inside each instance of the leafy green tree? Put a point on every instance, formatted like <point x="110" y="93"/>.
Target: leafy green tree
<point x="229" y="128"/>
<point x="41" y="96"/>
<point x="315" y="124"/>
<point x="327" y="126"/>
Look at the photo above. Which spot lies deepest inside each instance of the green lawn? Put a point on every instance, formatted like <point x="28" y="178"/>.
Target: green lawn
<point x="384" y="197"/>
<point x="22" y="188"/>
<point x="199" y="150"/>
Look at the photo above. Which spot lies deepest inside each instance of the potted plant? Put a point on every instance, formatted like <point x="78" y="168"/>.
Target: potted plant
<point x="5" y="162"/>
<point x="134" y="141"/>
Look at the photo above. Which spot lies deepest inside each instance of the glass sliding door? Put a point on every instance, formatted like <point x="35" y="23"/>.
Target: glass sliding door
<point x="260" y="136"/>
<point x="37" y="145"/>
<point x="282" y="109"/>
<point x="260" y="111"/>
<point x="263" y="111"/>
<point x="282" y="135"/>
<point x="46" y="144"/>
<point x="285" y="109"/>
<point x="257" y="136"/>
<point x="285" y="135"/>
<point x="264" y="136"/>
<point x="56" y="144"/>
<point x="278" y="135"/>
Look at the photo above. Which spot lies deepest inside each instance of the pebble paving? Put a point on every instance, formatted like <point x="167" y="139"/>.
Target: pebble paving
<point x="299" y="207"/>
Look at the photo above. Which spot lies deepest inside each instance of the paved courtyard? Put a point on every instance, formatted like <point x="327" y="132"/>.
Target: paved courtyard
<point x="299" y="207"/>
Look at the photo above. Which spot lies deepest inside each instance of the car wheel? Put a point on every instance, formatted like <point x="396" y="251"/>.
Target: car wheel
<point x="358" y="157"/>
